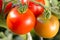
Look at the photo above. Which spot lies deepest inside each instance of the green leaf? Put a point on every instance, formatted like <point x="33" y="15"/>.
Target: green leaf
<point x="56" y="13"/>
<point x="2" y="35"/>
<point x="55" y="8"/>
<point x="54" y="2"/>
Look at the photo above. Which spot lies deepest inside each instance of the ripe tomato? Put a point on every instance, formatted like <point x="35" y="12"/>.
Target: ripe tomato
<point x="8" y="7"/>
<point x="35" y="8"/>
<point x="20" y="23"/>
<point x="1" y="4"/>
<point x="48" y="29"/>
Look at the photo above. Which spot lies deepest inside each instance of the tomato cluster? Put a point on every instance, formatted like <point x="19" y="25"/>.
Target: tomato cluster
<point x="21" y="20"/>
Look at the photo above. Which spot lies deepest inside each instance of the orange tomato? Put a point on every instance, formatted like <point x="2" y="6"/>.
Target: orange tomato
<point x="47" y="29"/>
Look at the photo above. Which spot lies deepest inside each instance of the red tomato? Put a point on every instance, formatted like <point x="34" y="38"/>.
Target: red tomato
<point x="8" y="7"/>
<point x="20" y="23"/>
<point x="1" y="4"/>
<point x="35" y="8"/>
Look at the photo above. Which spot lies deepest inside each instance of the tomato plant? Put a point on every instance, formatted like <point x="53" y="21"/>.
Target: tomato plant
<point x="1" y="4"/>
<point x="47" y="29"/>
<point x="35" y="8"/>
<point x="20" y="22"/>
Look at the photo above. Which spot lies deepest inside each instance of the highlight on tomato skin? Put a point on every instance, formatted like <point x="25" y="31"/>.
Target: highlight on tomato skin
<point x="35" y="8"/>
<point x="24" y="1"/>
<point x="20" y="23"/>
<point x="49" y="29"/>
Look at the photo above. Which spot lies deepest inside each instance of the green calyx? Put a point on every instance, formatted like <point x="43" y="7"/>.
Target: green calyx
<point x="47" y="14"/>
<point x="22" y="8"/>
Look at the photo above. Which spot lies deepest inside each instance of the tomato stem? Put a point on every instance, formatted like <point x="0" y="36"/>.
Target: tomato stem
<point x="41" y="38"/>
<point x="29" y="36"/>
<point x="26" y="36"/>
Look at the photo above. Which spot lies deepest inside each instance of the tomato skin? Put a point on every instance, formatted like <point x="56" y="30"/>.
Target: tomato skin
<point x="35" y="8"/>
<point x="48" y="29"/>
<point x="8" y="7"/>
<point x="1" y="4"/>
<point x="24" y="1"/>
<point x="20" y="23"/>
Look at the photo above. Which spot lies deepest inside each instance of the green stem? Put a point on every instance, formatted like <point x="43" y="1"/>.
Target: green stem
<point x="26" y="36"/>
<point x="41" y="38"/>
